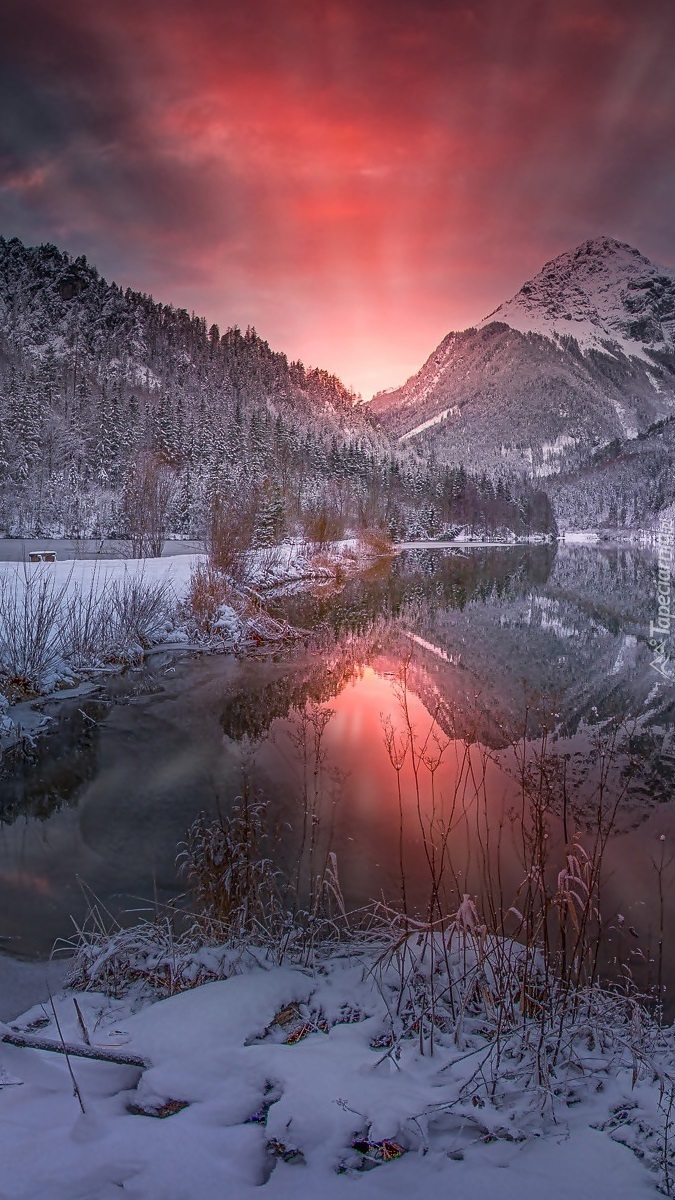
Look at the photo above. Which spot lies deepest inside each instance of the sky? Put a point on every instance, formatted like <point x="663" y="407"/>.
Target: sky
<point x="354" y="178"/>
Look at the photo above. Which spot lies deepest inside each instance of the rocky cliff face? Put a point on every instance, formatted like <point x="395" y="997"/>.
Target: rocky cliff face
<point x="581" y="357"/>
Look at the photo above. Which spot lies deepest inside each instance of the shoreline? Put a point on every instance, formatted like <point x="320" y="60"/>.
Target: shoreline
<point x="305" y="1080"/>
<point x="25" y="982"/>
<point x="280" y="571"/>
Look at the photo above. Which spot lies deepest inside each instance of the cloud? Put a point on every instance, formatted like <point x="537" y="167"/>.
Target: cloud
<point x="355" y="178"/>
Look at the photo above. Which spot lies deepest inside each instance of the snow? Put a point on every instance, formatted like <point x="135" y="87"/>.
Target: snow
<point x="581" y="537"/>
<point x="44" y="602"/>
<point x="593" y="294"/>
<point x="96" y="573"/>
<point x="289" y="561"/>
<point x="425" y="645"/>
<point x="441" y="416"/>
<point x="296" y="561"/>
<point x="629" y="428"/>
<point x="626" y="654"/>
<point x="213" y="1049"/>
<point x="552" y="451"/>
<point x="465" y="540"/>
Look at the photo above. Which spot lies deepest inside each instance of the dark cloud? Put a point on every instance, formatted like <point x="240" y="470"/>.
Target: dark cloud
<point x="355" y="178"/>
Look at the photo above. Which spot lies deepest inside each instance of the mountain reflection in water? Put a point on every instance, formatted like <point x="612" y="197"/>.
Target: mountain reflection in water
<point x="496" y="643"/>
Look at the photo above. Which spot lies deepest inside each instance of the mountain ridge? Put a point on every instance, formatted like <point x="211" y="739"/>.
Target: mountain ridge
<point x="601" y="291"/>
<point x="96" y="379"/>
<point x="582" y="355"/>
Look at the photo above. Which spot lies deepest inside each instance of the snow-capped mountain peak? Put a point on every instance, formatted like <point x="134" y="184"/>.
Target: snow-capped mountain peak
<point x="602" y="291"/>
<point x="582" y="357"/>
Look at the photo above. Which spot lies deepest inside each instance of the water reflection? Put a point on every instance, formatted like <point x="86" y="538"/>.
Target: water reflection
<point x="494" y="641"/>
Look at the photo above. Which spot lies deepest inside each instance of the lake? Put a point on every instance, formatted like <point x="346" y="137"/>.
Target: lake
<point x="474" y="651"/>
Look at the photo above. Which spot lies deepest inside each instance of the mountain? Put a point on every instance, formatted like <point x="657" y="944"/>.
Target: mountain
<point x="92" y="375"/>
<point x="603" y="294"/>
<point x="582" y="357"/>
<point x="95" y="380"/>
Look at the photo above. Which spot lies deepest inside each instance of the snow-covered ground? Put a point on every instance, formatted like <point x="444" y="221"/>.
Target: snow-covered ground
<point x="447" y="545"/>
<point x="287" y="1081"/>
<point x="61" y="620"/>
<point x="95" y="572"/>
<point x="429" y="424"/>
<point x="288" y="562"/>
<point x="581" y="537"/>
<point x="105" y="612"/>
<point x="643" y="538"/>
<point x="18" y="549"/>
<point x="297" y="562"/>
<point x="465" y="539"/>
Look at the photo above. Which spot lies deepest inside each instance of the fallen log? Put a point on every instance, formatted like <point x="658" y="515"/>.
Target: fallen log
<point x="26" y="1041"/>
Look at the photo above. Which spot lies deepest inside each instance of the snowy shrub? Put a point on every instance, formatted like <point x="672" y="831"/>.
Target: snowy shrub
<point x="232" y="881"/>
<point x="87" y="622"/>
<point x="6" y="722"/>
<point x="228" y="623"/>
<point x="207" y="599"/>
<point x="142" y="610"/>
<point x="30" y="607"/>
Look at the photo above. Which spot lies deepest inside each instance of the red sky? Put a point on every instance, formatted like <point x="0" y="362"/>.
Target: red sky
<point x="354" y="178"/>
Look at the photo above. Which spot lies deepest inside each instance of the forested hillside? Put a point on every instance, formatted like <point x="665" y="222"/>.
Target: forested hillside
<point x="100" y="387"/>
<point x="628" y="483"/>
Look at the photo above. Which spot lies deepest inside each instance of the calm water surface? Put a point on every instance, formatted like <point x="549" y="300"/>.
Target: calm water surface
<point x="495" y="643"/>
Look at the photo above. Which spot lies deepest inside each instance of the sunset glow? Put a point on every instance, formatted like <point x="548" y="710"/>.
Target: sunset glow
<point x="353" y="179"/>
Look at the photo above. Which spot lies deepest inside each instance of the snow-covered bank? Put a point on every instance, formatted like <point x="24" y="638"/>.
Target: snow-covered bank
<point x="468" y="543"/>
<point x="63" y="623"/>
<point x="644" y="539"/>
<point x="581" y="537"/>
<point x="464" y="537"/>
<point x="66" y="622"/>
<point x="17" y="549"/>
<point x="270" y="568"/>
<point x="96" y="572"/>
<point x="310" y="1083"/>
<point x="296" y="563"/>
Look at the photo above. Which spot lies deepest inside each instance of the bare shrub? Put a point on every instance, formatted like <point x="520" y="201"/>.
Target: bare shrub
<point x="376" y="541"/>
<point x="232" y="881"/>
<point x="209" y="589"/>
<point x="45" y="625"/>
<point x="141" y="609"/>
<point x="320" y="562"/>
<point x="86" y="622"/>
<point x="535" y="954"/>
<point x="147" y="496"/>
<point x="30" y="606"/>
<point x="323" y="525"/>
<point x="230" y="533"/>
